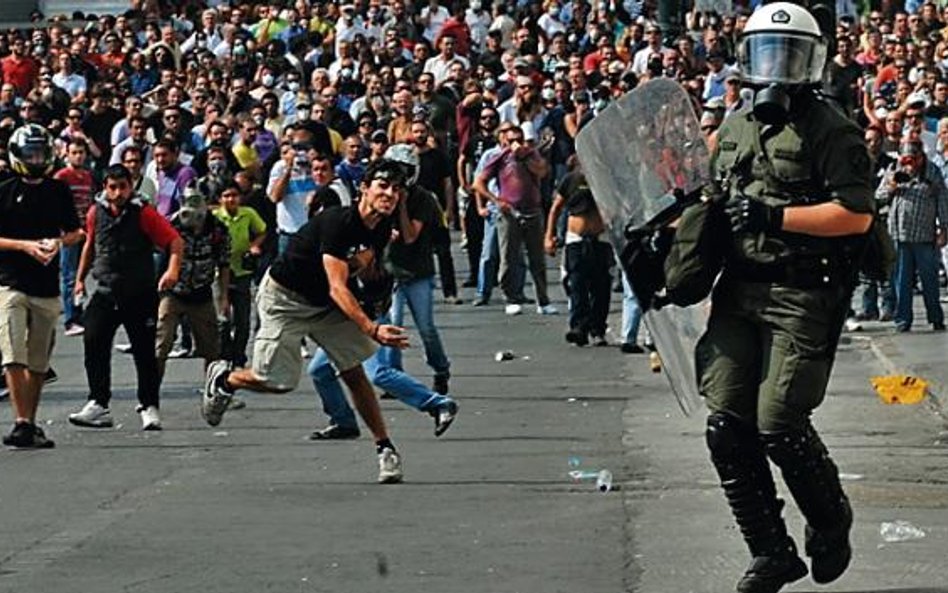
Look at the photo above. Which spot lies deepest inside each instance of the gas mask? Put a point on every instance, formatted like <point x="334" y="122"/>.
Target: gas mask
<point x="772" y="104"/>
<point x="217" y="167"/>
<point x="193" y="209"/>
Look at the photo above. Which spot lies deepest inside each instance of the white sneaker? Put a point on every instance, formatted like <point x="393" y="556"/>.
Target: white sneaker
<point x="390" y="467"/>
<point x="513" y="309"/>
<point x="125" y="348"/>
<point x="74" y="329"/>
<point x="547" y="309"/>
<point x="304" y="352"/>
<point x="179" y="352"/>
<point x="92" y="415"/>
<point x="853" y="325"/>
<point x="150" y="418"/>
<point x="215" y="400"/>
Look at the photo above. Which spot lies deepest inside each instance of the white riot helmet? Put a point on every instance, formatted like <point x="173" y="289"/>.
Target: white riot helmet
<point x="405" y="155"/>
<point x="782" y="44"/>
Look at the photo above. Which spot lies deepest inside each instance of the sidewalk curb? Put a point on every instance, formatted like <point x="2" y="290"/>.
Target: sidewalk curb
<point x="933" y="401"/>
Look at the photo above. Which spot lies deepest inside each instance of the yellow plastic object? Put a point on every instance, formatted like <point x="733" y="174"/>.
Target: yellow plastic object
<point x="900" y="389"/>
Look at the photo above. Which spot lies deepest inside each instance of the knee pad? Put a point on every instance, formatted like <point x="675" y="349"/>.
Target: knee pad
<point x="728" y="438"/>
<point x="797" y="451"/>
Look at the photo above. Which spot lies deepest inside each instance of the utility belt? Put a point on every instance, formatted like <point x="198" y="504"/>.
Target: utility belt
<point x="803" y="271"/>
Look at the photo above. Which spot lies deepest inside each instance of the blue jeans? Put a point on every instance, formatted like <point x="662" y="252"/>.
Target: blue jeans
<point x="418" y="295"/>
<point x="381" y="373"/>
<point x="923" y="259"/>
<point x="631" y="312"/>
<point x="870" y="298"/>
<point x="69" y="264"/>
<point x="490" y="259"/>
<point x="283" y="239"/>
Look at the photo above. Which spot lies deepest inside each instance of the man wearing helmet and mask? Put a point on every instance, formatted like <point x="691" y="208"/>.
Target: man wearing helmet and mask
<point x="793" y="177"/>
<point x="206" y="260"/>
<point x="37" y="217"/>
<point x="410" y="259"/>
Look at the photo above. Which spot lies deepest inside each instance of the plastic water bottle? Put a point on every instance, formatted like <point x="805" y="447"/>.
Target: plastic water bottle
<point x="900" y="531"/>
<point x="604" y="481"/>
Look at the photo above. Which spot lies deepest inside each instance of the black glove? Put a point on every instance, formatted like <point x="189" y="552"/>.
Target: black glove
<point x="751" y="216"/>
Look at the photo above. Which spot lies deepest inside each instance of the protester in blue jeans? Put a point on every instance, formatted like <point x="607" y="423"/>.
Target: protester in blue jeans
<point x="490" y="248"/>
<point x="409" y="258"/>
<point x="918" y="222"/>
<point x="382" y="370"/>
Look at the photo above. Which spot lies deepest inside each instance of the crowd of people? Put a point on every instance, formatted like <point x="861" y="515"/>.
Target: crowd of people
<point x="213" y="149"/>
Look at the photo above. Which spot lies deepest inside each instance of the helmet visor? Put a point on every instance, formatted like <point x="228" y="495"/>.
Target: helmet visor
<point x="35" y="153"/>
<point x="781" y="58"/>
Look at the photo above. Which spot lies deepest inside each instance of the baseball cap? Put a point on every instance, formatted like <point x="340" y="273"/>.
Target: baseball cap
<point x="379" y="136"/>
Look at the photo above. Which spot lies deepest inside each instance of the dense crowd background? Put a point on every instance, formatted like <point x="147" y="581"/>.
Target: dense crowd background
<point x="209" y="92"/>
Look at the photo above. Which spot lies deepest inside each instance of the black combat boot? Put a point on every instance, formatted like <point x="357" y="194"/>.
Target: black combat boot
<point x="813" y="480"/>
<point x="739" y="458"/>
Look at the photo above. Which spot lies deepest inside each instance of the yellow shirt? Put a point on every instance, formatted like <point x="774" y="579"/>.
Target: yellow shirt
<point x="245" y="155"/>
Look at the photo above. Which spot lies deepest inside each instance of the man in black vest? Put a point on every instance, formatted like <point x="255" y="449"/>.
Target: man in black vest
<point x="122" y="235"/>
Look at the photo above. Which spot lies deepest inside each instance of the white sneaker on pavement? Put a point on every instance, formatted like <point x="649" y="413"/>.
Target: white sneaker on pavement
<point x="215" y="400"/>
<point x="74" y="329"/>
<point x="513" y="309"/>
<point x="547" y="309"/>
<point x="390" y="467"/>
<point x="92" y="415"/>
<point x="150" y="418"/>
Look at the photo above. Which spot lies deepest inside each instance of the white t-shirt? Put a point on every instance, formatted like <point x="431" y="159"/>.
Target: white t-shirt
<point x="438" y="17"/>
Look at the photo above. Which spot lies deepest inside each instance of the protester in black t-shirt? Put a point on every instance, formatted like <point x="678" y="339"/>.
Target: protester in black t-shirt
<point x="37" y="217"/>
<point x="587" y="259"/>
<point x="306" y="293"/>
<point x="434" y="174"/>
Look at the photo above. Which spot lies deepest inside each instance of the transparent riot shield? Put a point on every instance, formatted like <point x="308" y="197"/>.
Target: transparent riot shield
<point x="639" y="156"/>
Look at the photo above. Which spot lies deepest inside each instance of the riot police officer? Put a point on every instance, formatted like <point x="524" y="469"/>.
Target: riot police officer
<point x="794" y="177"/>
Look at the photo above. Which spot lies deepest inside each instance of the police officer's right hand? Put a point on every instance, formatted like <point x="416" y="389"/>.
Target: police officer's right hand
<point x="751" y="216"/>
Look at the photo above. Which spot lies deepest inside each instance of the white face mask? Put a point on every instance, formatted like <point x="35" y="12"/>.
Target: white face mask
<point x="293" y="85"/>
<point x="258" y="119"/>
<point x="475" y="5"/>
<point x="267" y="80"/>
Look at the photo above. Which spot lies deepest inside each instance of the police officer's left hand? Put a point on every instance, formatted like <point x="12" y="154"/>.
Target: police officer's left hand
<point x="750" y="216"/>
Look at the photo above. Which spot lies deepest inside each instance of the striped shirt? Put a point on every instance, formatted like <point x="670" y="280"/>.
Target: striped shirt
<point x="918" y="208"/>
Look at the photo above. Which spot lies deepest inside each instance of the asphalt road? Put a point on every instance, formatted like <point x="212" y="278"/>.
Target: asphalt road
<point x="252" y="506"/>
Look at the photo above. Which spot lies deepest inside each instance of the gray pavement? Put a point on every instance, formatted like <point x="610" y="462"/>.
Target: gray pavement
<point x="253" y="506"/>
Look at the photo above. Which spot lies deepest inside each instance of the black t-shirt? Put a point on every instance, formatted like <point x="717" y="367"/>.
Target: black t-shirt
<point x="99" y="127"/>
<point x="42" y="211"/>
<point x="842" y="83"/>
<point x="433" y="168"/>
<point x="338" y="232"/>
<point x="576" y="192"/>
<point x="477" y="145"/>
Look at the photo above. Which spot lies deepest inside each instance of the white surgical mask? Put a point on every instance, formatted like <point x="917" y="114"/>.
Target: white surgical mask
<point x="267" y="80"/>
<point x="293" y="85"/>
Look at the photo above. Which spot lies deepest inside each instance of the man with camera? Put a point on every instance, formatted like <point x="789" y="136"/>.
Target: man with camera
<point x="519" y="168"/>
<point x="290" y="186"/>
<point x="918" y="222"/>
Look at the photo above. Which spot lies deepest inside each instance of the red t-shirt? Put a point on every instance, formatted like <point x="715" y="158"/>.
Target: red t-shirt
<point x="154" y="225"/>
<point x="81" y="183"/>
<point x="20" y="73"/>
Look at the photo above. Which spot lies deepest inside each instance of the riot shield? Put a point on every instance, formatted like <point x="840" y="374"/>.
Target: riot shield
<point x="640" y="155"/>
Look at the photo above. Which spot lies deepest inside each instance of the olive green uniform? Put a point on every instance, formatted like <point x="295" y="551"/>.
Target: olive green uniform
<point x="777" y="311"/>
<point x="781" y="302"/>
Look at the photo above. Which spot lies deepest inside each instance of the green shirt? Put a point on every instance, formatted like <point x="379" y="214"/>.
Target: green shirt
<point x="244" y="226"/>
